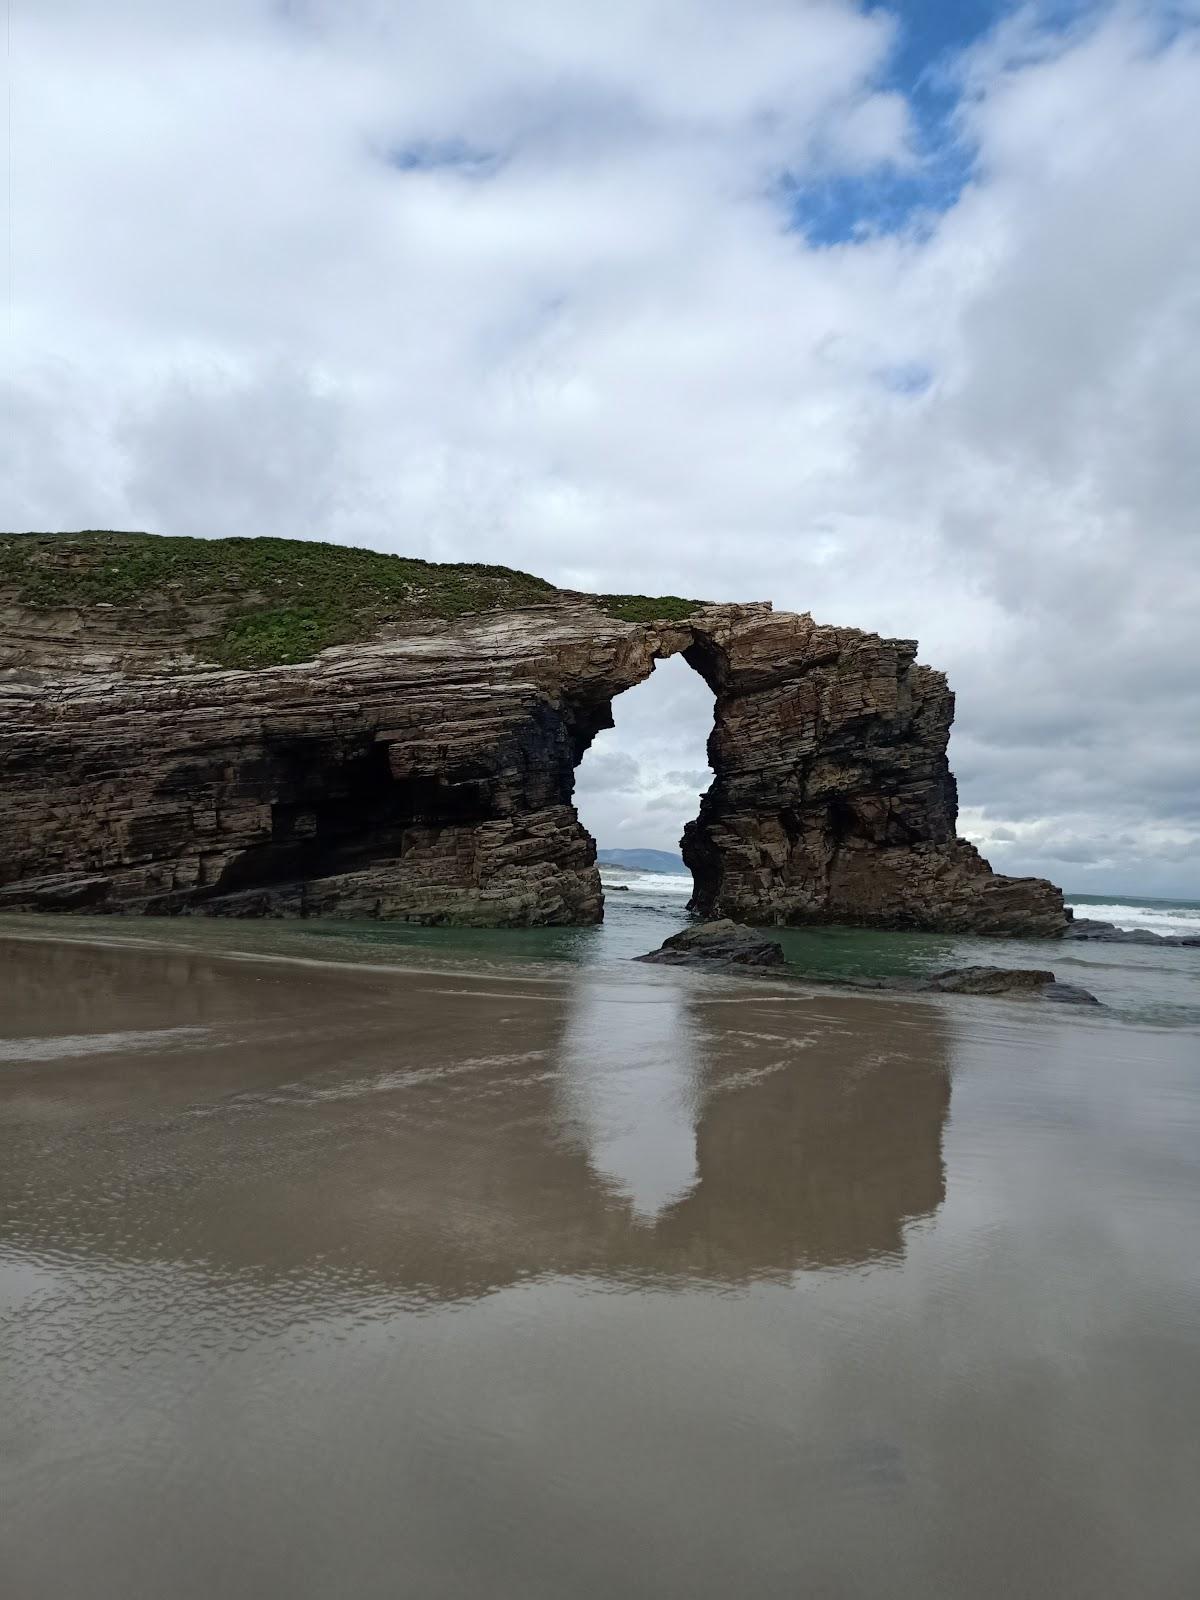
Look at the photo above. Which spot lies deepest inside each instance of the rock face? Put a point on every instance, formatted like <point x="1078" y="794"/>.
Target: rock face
<point x="428" y="777"/>
<point x="428" y="774"/>
<point x="833" y="798"/>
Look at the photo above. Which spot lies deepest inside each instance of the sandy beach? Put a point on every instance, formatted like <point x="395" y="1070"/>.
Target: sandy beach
<point x="481" y="1281"/>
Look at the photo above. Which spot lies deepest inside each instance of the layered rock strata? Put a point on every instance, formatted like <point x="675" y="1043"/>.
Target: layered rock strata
<point x="428" y="774"/>
<point x="833" y="799"/>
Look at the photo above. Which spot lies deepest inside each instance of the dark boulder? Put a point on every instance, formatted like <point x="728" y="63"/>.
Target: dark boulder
<point x="989" y="980"/>
<point x="64" y="891"/>
<point x="723" y="942"/>
<point x="1009" y="981"/>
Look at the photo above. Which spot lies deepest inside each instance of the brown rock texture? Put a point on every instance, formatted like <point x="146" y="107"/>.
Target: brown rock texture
<point x="725" y="943"/>
<point x="428" y="773"/>
<point x="833" y="799"/>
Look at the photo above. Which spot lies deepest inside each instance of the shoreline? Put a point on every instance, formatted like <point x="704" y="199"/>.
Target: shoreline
<point x="347" y="954"/>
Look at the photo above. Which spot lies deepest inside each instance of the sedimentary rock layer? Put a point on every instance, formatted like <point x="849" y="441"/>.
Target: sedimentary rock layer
<point x="833" y="798"/>
<point x="428" y="774"/>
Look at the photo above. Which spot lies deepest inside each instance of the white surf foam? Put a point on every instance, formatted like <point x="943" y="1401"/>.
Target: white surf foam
<point x="1157" y="919"/>
<point x="651" y="883"/>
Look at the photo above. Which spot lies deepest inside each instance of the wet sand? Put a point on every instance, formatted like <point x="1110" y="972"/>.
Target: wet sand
<point x="321" y="1280"/>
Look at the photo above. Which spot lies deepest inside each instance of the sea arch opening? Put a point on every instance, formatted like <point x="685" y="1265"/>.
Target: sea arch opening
<point x="640" y="780"/>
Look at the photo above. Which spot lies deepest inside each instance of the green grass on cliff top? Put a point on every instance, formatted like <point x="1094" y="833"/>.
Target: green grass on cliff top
<point x="272" y="601"/>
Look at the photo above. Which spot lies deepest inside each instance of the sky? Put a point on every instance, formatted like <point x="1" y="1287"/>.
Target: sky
<point x="890" y="313"/>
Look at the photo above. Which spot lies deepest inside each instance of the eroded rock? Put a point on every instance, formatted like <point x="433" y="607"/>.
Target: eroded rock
<point x="833" y="799"/>
<point x="428" y="773"/>
<point x="723" y="942"/>
<point x="988" y="980"/>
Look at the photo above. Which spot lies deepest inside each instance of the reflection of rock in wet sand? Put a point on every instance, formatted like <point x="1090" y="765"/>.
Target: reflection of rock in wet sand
<point x="815" y="1158"/>
<point x="436" y="1137"/>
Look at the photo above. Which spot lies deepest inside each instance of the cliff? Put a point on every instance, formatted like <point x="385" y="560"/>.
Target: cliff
<point x="277" y="728"/>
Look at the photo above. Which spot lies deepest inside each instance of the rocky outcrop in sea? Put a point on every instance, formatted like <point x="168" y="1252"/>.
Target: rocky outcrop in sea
<point x="728" y="946"/>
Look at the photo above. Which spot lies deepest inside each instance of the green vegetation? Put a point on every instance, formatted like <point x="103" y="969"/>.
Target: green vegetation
<point x="273" y="637"/>
<point x="647" y="608"/>
<point x="268" y="602"/>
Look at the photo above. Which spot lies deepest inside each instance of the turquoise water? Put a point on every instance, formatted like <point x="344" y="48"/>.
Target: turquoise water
<point x="1144" y="984"/>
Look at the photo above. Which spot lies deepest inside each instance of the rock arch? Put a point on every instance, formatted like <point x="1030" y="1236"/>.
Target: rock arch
<point x="428" y="775"/>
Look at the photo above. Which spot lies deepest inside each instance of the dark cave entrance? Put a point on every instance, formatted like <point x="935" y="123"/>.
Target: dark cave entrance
<point x="339" y="808"/>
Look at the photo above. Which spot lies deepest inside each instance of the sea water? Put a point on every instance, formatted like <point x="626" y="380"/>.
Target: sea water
<point x="1157" y="916"/>
<point x="1159" y="985"/>
<point x="1145" y="984"/>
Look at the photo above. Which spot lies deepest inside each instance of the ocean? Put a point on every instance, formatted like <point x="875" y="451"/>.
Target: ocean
<point x="1138" y="983"/>
<point x="1143" y="984"/>
<point x="1159" y="916"/>
<point x="1136" y="911"/>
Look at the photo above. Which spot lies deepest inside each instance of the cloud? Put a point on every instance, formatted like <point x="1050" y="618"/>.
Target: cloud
<point x="646" y="801"/>
<point x="608" y="772"/>
<point x="673" y="295"/>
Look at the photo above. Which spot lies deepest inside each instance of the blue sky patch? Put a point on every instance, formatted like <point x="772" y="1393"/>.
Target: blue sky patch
<point x="932" y="35"/>
<point x="907" y="378"/>
<point x="844" y="209"/>
<point x="454" y="155"/>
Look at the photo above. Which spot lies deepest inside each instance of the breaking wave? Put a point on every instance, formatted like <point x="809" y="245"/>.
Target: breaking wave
<point x="1158" y="916"/>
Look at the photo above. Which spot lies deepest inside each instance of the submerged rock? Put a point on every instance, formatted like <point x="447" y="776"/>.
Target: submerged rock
<point x="1071" y="994"/>
<point x="1011" y="981"/>
<point x="989" y="980"/>
<point x="723" y="942"/>
<point x="728" y="944"/>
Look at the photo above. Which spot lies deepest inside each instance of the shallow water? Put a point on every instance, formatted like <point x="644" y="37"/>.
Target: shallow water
<point x="1138" y="984"/>
<point x="576" y="1278"/>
